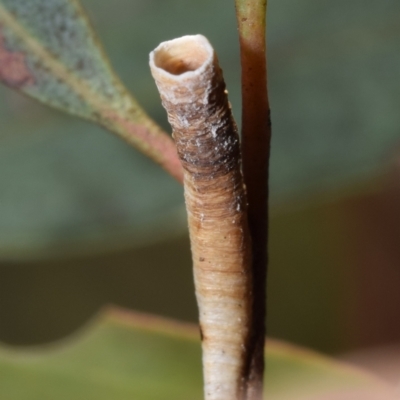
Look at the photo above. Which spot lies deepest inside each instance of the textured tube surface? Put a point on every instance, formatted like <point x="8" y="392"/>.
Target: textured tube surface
<point x="193" y="93"/>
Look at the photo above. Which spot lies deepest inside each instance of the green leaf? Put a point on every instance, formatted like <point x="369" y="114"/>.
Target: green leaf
<point x="48" y="51"/>
<point x="51" y="55"/>
<point x="124" y="355"/>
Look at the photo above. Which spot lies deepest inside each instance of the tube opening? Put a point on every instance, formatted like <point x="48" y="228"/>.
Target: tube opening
<point x="181" y="55"/>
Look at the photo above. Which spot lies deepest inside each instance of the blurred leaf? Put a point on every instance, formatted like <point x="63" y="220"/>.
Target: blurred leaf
<point x="48" y="51"/>
<point x="67" y="185"/>
<point x="334" y="85"/>
<point x="129" y="356"/>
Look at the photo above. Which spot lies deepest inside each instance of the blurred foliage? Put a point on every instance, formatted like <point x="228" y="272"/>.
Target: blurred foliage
<point x="124" y="355"/>
<point x="334" y="87"/>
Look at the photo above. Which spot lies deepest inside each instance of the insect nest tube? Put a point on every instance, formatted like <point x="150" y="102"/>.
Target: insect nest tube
<point x="192" y="90"/>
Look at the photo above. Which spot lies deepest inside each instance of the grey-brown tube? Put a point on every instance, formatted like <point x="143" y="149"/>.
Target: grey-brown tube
<point x="192" y="90"/>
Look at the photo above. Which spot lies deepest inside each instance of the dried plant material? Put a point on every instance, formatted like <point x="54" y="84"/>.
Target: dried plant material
<point x="193" y="92"/>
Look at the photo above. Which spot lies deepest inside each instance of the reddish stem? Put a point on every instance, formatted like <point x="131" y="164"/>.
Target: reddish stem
<point x="256" y="134"/>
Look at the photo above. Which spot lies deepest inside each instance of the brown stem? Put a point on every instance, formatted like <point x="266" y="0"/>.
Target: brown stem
<point x="193" y="93"/>
<point x="256" y="134"/>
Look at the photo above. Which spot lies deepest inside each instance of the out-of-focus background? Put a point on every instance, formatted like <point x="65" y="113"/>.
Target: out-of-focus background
<point x="85" y="220"/>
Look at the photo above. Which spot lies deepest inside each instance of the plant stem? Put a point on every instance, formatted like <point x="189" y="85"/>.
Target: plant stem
<point x="193" y="92"/>
<point x="256" y="134"/>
